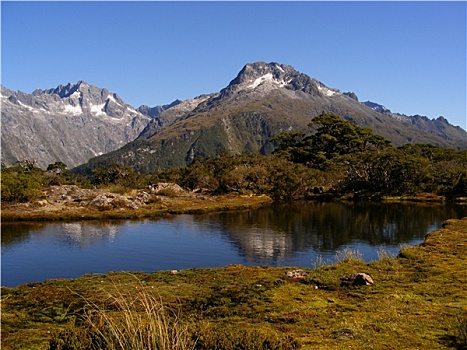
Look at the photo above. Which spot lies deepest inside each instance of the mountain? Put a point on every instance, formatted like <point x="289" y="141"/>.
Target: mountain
<point x="439" y="126"/>
<point x="263" y="100"/>
<point x="70" y="123"/>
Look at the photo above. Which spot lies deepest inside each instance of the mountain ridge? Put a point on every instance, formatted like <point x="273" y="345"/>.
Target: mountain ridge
<point x="261" y="101"/>
<point x="70" y="123"/>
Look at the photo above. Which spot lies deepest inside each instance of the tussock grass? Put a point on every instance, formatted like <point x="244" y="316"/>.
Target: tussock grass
<point x="347" y="254"/>
<point x="130" y="320"/>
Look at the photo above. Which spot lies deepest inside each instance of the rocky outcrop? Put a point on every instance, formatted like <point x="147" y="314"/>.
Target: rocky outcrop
<point x="164" y="188"/>
<point x="94" y="198"/>
<point x="297" y="274"/>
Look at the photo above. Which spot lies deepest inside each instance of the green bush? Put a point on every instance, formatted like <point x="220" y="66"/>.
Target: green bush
<point x="20" y="187"/>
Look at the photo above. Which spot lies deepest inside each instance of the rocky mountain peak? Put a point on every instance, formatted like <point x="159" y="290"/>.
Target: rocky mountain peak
<point x="155" y="111"/>
<point x="253" y="71"/>
<point x="69" y="123"/>
<point x="80" y="93"/>
<point x="263" y="77"/>
<point x="63" y="91"/>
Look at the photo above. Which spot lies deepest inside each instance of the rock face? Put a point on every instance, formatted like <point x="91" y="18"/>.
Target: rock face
<point x="264" y="99"/>
<point x="70" y="123"/>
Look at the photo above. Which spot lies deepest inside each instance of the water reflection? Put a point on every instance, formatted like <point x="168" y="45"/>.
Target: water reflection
<point x="16" y="233"/>
<point x="288" y="234"/>
<point x="80" y="234"/>
<point x="85" y="235"/>
<point x="277" y="232"/>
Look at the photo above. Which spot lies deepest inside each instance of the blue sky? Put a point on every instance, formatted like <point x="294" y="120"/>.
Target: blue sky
<point x="408" y="56"/>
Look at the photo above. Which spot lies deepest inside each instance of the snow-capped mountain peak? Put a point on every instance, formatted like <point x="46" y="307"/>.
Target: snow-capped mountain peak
<point x="264" y="77"/>
<point x="78" y="121"/>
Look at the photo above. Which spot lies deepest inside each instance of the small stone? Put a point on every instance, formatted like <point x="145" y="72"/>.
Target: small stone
<point x="357" y="279"/>
<point x="297" y="274"/>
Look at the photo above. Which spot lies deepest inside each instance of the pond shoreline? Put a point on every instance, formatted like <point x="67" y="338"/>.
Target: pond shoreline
<point x="63" y="203"/>
<point x="70" y="203"/>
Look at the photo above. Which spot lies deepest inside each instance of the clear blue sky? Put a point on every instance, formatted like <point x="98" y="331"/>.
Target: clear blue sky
<point x="408" y="56"/>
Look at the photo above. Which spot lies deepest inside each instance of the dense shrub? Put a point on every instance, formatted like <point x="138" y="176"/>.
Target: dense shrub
<point x="20" y="187"/>
<point x="114" y="174"/>
<point x="248" y="174"/>
<point x="368" y="166"/>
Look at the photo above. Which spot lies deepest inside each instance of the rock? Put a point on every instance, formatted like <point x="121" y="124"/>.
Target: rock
<point x="297" y="274"/>
<point x="357" y="279"/>
<point x="102" y="200"/>
<point x="165" y="188"/>
<point x="351" y="95"/>
<point x="132" y="205"/>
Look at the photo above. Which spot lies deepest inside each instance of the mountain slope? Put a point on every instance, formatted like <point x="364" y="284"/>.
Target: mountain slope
<point x="439" y="126"/>
<point x="71" y="123"/>
<point x="263" y="100"/>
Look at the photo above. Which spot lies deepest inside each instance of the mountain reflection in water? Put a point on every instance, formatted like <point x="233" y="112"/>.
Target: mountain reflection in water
<point x="280" y="231"/>
<point x="291" y="234"/>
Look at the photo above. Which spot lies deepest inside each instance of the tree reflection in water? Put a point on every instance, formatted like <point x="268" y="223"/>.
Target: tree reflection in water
<point x="282" y="230"/>
<point x="284" y="234"/>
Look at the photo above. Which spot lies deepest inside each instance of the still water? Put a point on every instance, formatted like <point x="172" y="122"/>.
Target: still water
<point x="281" y="235"/>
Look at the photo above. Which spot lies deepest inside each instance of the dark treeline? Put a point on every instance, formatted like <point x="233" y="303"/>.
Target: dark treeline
<point x="336" y="159"/>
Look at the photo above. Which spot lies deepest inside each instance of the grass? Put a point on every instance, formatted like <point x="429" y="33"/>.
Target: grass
<point x="418" y="301"/>
<point x="137" y="320"/>
<point x="157" y="206"/>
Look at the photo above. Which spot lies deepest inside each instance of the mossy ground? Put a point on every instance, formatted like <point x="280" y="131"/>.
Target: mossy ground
<point x="414" y="303"/>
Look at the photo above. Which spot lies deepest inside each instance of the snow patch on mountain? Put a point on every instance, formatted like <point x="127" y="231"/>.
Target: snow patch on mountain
<point x="76" y="94"/>
<point x="74" y="110"/>
<point x="326" y="91"/>
<point x="98" y="110"/>
<point x="112" y="98"/>
<point x="267" y="78"/>
<point x="25" y="106"/>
